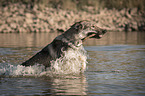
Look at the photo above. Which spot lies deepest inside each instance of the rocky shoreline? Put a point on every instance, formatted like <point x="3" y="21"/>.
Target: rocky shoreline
<point x="20" y="18"/>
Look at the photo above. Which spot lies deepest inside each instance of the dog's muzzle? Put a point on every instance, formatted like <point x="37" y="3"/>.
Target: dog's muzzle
<point x="99" y="35"/>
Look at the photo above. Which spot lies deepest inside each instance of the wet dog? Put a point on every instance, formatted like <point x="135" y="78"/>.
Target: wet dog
<point x="70" y="40"/>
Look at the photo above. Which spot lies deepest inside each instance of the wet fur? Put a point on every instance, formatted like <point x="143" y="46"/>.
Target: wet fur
<point x="70" y="40"/>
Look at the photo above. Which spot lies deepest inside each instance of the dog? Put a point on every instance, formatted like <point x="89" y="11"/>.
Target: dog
<point x="71" y="39"/>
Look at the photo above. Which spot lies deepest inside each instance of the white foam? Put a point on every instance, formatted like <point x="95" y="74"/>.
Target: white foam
<point x="73" y="62"/>
<point x="19" y="70"/>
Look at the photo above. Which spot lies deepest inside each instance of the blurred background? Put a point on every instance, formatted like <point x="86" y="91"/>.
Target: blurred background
<point x="124" y="19"/>
<point x="58" y="15"/>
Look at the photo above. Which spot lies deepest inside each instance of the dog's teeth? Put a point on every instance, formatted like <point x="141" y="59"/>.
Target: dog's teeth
<point x="100" y="35"/>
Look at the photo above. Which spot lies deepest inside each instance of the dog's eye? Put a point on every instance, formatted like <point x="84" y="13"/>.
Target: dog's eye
<point x="93" y="27"/>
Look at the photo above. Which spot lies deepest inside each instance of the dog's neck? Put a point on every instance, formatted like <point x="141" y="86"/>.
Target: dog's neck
<point x="75" y="44"/>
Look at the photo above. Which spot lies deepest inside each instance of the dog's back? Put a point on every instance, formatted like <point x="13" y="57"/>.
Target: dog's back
<point x="69" y="41"/>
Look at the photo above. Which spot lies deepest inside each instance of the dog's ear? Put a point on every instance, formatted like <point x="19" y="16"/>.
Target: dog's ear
<point x="78" y="26"/>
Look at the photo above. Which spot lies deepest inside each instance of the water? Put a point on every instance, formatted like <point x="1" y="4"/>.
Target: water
<point x="115" y="67"/>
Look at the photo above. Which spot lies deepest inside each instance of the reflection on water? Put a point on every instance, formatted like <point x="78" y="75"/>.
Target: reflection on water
<point x="43" y="86"/>
<point x="42" y="39"/>
<point x="111" y="70"/>
<point x="70" y="86"/>
<point x="117" y="70"/>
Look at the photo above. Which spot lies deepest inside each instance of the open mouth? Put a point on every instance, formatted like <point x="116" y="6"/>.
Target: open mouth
<point x="93" y="35"/>
<point x="97" y="35"/>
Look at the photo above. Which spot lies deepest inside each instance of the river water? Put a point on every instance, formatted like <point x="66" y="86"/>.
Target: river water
<point x="116" y="66"/>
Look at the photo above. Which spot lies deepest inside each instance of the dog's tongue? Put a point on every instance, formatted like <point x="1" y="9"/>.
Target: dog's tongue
<point x="89" y="37"/>
<point x="92" y="35"/>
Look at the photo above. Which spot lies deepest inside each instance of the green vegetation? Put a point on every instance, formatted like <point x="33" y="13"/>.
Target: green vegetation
<point x="81" y="4"/>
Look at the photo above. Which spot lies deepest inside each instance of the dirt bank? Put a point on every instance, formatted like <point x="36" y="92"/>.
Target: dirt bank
<point x="20" y="18"/>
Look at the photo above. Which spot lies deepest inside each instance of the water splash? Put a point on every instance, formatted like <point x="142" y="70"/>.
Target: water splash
<point x="19" y="70"/>
<point x="73" y="62"/>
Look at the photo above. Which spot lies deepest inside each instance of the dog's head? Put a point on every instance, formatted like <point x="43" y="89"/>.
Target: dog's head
<point x="86" y="29"/>
<point x="80" y="31"/>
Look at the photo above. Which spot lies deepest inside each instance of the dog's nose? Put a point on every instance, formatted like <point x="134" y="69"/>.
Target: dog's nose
<point x="104" y="31"/>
